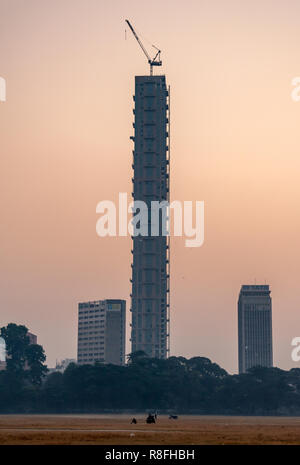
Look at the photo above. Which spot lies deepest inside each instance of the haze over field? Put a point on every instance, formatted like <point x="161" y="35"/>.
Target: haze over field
<point x="116" y="429"/>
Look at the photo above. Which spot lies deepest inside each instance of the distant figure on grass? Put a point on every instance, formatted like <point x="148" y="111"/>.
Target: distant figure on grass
<point x="133" y="421"/>
<point x="150" y="419"/>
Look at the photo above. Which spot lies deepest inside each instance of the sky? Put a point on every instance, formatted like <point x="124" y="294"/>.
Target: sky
<point x="64" y="146"/>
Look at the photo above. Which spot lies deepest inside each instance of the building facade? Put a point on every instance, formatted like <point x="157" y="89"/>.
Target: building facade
<point x="101" y="332"/>
<point x="2" y="354"/>
<point x="150" y="301"/>
<point x="254" y="327"/>
<point x="32" y="338"/>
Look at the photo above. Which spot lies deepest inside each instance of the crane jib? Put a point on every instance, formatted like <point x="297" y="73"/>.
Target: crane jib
<point x="152" y="62"/>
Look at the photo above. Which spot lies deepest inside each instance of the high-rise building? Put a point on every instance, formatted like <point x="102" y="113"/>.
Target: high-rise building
<point x="101" y="332"/>
<point x="255" y="327"/>
<point x="150" y="269"/>
<point x="2" y="354"/>
<point x="32" y="338"/>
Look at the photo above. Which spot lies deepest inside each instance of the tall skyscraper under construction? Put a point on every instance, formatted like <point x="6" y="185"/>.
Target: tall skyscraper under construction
<point x="255" y="327"/>
<point x="150" y="268"/>
<point x="150" y="301"/>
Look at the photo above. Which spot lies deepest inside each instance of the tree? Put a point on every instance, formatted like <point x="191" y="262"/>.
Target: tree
<point x="53" y="392"/>
<point x="135" y="357"/>
<point x="205" y="367"/>
<point x="36" y="357"/>
<point x="16" y="340"/>
<point x="23" y="359"/>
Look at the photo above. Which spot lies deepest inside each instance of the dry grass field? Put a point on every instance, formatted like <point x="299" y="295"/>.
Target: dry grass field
<point x="117" y="430"/>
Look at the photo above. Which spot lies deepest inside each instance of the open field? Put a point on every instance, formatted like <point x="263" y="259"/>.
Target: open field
<point x="117" y="430"/>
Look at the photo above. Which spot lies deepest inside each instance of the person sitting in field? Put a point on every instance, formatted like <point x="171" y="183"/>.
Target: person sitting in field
<point x="150" y="419"/>
<point x="133" y="421"/>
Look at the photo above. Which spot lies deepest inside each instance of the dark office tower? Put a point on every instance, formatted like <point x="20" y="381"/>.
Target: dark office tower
<point x="255" y="327"/>
<point x="150" y="268"/>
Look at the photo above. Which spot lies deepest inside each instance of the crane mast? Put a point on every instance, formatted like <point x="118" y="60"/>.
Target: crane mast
<point x="156" y="61"/>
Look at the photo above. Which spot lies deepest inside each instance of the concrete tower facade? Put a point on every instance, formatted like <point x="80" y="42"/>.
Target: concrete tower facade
<point x="255" y="327"/>
<point x="101" y="332"/>
<point x="150" y="268"/>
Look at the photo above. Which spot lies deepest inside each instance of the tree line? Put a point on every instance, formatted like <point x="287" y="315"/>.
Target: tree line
<point x="177" y="384"/>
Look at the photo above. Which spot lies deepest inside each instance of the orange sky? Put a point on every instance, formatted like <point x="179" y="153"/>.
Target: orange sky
<point x="64" y="145"/>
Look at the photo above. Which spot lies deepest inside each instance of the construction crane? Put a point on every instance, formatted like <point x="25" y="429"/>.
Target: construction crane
<point x="156" y="61"/>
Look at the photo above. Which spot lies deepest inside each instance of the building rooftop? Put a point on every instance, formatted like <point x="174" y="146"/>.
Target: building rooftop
<point x="257" y="290"/>
<point x="255" y="287"/>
